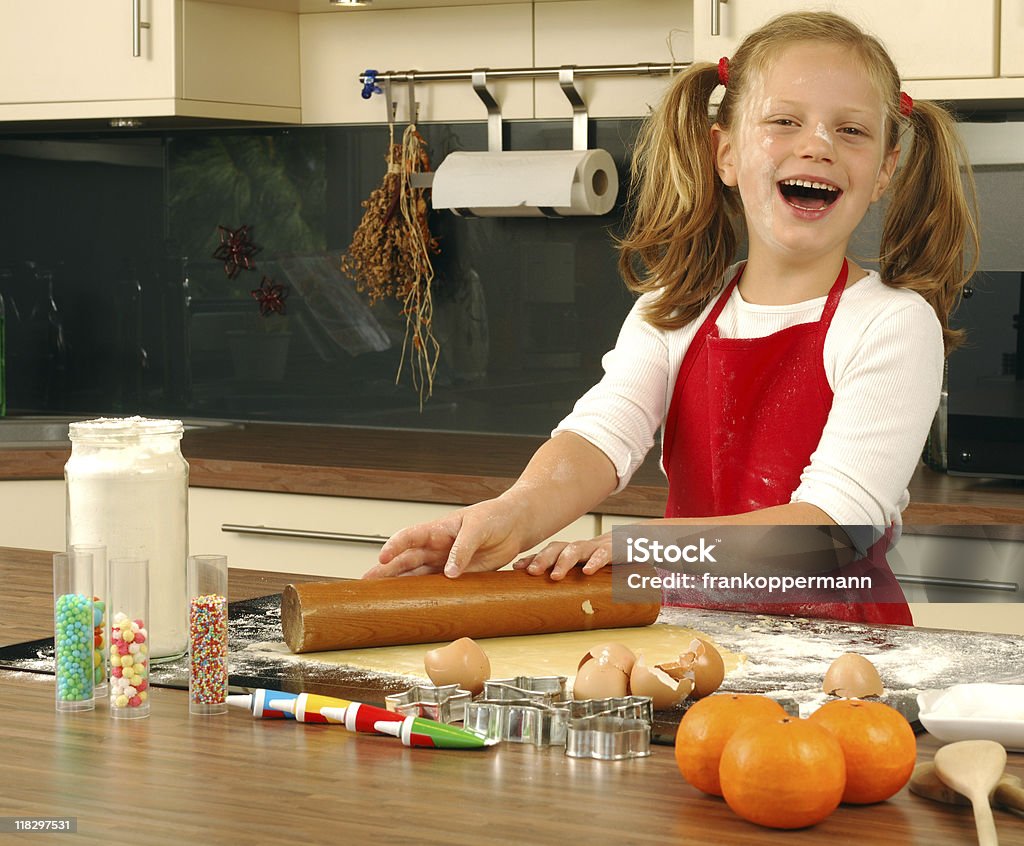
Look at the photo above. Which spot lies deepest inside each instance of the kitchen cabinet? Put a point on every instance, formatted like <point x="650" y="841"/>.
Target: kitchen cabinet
<point x="958" y="50"/>
<point x="64" y="59"/>
<point x="372" y="520"/>
<point x="609" y="32"/>
<point x="337" y="48"/>
<point x="1011" y="38"/>
<point x="33" y="514"/>
<point x="950" y="50"/>
<point x="928" y="39"/>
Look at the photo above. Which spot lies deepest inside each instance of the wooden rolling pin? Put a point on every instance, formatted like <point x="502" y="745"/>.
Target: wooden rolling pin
<point x="320" y="616"/>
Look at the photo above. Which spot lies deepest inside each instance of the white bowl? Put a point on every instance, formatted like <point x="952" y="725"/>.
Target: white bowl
<point x="975" y="712"/>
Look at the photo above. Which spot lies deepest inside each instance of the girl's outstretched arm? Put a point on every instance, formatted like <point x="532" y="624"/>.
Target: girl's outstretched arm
<point x="564" y="480"/>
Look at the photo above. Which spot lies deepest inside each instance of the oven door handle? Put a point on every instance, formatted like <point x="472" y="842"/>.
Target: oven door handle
<point x="309" y="534"/>
<point x="967" y="584"/>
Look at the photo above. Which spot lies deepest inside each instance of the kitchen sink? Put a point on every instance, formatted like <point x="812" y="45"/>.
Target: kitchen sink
<point x="46" y="431"/>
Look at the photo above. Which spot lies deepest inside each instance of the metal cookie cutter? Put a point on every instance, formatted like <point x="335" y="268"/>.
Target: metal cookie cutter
<point x="608" y="738"/>
<point x="610" y="729"/>
<point x="444" y="703"/>
<point x="628" y="707"/>
<point x="548" y="689"/>
<point x="518" y="721"/>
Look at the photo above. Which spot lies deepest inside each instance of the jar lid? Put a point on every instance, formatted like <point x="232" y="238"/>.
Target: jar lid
<point x="123" y="426"/>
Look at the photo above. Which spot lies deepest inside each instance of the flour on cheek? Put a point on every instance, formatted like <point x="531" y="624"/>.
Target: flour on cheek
<point x="757" y="165"/>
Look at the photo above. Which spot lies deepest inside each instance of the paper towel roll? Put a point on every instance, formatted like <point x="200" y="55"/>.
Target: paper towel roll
<point x="529" y="183"/>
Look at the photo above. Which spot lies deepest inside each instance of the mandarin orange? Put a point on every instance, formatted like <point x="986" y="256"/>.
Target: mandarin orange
<point x="705" y="728"/>
<point x="878" y="744"/>
<point x="786" y="773"/>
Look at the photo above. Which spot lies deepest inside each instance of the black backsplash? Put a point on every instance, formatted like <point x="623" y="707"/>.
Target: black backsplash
<point x="116" y="305"/>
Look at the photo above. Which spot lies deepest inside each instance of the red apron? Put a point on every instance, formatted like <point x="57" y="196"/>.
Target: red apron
<point x="745" y="416"/>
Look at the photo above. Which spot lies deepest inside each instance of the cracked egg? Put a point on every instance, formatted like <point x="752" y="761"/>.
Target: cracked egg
<point x="462" y="662"/>
<point x="852" y="676"/>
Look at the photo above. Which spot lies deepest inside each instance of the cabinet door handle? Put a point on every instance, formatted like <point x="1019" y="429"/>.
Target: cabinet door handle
<point x="716" y="16"/>
<point x="137" y="26"/>
<point x="965" y="584"/>
<point x="274" y="531"/>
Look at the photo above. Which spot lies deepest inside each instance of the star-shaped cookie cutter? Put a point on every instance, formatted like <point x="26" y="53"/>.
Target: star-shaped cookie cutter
<point x="547" y="689"/>
<point x="610" y="729"/>
<point x="628" y="707"/>
<point x="608" y="738"/>
<point x="444" y="703"/>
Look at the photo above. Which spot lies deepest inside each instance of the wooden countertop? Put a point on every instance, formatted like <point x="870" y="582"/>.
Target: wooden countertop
<point x="462" y="468"/>
<point x="232" y="779"/>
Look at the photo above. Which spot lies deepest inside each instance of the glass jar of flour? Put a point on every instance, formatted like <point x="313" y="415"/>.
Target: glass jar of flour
<point x="127" y="488"/>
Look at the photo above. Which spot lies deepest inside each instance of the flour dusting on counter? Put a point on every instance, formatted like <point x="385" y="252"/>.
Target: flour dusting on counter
<point x="788" y="657"/>
<point x="783" y="657"/>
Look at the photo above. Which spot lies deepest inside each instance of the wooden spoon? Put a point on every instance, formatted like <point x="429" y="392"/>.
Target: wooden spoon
<point x="974" y="767"/>
<point x="1008" y="795"/>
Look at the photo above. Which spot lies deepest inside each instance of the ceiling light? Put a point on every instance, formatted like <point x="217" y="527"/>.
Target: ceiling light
<point x="351" y="2"/>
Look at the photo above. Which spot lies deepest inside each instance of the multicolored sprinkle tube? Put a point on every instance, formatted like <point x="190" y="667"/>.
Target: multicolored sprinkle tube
<point x="208" y="634"/>
<point x="208" y="653"/>
<point x="73" y="631"/>
<point x="129" y="638"/>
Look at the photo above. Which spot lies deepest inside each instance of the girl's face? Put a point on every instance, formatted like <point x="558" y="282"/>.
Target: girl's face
<point x="807" y="151"/>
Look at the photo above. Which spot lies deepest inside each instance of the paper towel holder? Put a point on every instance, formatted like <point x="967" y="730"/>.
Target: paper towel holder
<point x="479" y="78"/>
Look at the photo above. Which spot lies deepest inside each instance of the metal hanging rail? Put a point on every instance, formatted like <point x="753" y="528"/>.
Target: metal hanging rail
<point x="371" y="81"/>
<point x="641" y="69"/>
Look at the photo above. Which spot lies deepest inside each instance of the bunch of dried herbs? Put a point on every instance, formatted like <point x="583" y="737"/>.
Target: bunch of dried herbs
<point x="389" y="257"/>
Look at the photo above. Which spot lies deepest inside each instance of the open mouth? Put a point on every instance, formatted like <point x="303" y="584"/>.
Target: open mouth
<point x="807" y="195"/>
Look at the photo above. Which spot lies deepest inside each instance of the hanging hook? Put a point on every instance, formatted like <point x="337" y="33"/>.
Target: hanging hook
<point x="389" y="101"/>
<point x="494" y="142"/>
<point x="414" y="106"/>
<point x="580" y="120"/>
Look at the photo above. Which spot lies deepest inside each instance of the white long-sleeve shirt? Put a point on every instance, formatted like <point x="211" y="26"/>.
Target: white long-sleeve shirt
<point x="883" y="358"/>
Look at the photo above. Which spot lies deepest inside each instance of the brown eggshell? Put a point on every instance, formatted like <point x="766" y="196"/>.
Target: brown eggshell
<point x="461" y="662"/>
<point x="618" y="655"/>
<point x="599" y="679"/>
<point x="665" y="692"/>
<point x="706" y="666"/>
<point x="852" y="676"/>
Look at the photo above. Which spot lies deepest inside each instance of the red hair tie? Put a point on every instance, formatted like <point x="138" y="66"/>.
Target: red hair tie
<point x="723" y="71"/>
<point x="906" y="103"/>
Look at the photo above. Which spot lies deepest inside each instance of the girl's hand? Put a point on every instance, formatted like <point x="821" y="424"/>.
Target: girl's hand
<point x="480" y="537"/>
<point x="560" y="557"/>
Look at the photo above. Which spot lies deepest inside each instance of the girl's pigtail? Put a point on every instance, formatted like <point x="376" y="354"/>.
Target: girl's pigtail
<point x="930" y="236"/>
<point x="680" y="238"/>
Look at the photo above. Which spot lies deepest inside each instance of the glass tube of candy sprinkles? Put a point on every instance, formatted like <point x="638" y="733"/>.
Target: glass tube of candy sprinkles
<point x="129" y="638"/>
<point x="73" y="621"/>
<point x="208" y="634"/>
<point x="99" y="599"/>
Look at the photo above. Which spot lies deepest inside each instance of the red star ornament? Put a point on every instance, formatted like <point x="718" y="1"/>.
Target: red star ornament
<point x="270" y="296"/>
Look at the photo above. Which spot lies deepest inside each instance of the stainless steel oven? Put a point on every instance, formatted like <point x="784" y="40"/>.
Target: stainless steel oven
<point x="985" y="414"/>
<point x="985" y="417"/>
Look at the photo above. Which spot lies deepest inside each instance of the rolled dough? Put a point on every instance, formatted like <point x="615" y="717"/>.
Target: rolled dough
<point x="532" y="655"/>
